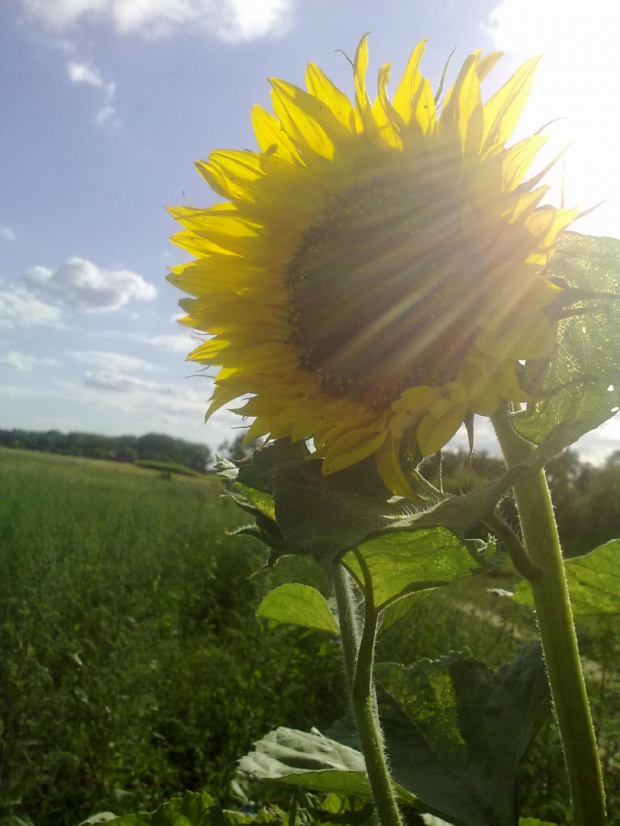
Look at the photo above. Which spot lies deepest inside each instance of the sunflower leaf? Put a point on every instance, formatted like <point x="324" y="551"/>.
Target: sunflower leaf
<point x="298" y="605"/>
<point x="311" y="760"/>
<point x="593" y="581"/>
<point x="456" y="733"/>
<point x="583" y="378"/>
<point x="405" y="563"/>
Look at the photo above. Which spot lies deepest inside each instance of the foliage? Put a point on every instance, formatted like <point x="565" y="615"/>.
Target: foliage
<point x="132" y="663"/>
<point x="166" y="467"/>
<point x="153" y="447"/>
<point x="456" y="735"/>
<point x="581" y="382"/>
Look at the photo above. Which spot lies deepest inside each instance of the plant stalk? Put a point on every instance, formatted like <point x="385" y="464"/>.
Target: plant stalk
<point x="358" y="656"/>
<point x="557" y="632"/>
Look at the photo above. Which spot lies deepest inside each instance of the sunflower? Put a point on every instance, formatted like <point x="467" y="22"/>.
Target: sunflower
<point x="376" y="272"/>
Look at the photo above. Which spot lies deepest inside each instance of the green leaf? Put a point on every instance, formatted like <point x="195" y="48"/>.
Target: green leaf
<point x="310" y="760"/>
<point x="327" y="515"/>
<point x="193" y="809"/>
<point x="298" y="605"/>
<point x="534" y="821"/>
<point x="100" y="817"/>
<point x="262" y="501"/>
<point x="399" y="609"/>
<point x="402" y="563"/>
<point x="593" y="582"/>
<point x="456" y="733"/>
<point x="587" y="356"/>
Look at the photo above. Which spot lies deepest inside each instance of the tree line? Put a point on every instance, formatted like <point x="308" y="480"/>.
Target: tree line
<point x="152" y="447"/>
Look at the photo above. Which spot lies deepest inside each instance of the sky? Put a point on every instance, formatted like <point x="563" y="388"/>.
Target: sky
<point x="107" y="104"/>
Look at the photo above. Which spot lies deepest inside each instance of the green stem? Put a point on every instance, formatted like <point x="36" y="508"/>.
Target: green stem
<point x="557" y="632"/>
<point x="358" y="657"/>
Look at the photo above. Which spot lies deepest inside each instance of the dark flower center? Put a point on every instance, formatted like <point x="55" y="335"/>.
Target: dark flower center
<point x="379" y="291"/>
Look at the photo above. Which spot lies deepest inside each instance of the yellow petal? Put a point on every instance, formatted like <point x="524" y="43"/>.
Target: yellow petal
<point x="389" y="468"/>
<point x="409" y="83"/>
<point x="352" y="447"/>
<point x="503" y="110"/>
<point x="269" y="134"/>
<point x="330" y="95"/>
<point x="433" y="433"/>
<point x="310" y="126"/>
<point x="486" y="63"/>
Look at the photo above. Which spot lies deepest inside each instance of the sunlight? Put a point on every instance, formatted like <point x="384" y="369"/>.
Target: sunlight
<point x="575" y="82"/>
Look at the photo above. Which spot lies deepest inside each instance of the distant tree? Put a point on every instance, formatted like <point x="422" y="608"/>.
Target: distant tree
<point x="125" y="453"/>
<point x="237" y="449"/>
<point x="158" y="447"/>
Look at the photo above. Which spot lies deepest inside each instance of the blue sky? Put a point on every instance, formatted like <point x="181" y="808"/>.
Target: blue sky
<point x="106" y="104"/>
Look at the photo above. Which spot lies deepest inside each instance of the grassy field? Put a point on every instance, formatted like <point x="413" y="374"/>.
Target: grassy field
<point x="133" y="666"/>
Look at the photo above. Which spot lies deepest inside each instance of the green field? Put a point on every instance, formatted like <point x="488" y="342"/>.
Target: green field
<point x="133" y="665"/>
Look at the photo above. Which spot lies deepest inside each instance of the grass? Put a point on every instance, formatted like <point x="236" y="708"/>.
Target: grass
<point x="133" y="666"/>
<point x="132" y="663"/>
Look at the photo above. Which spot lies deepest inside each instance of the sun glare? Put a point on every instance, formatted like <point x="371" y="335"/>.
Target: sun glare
<point x="575" y="83"/>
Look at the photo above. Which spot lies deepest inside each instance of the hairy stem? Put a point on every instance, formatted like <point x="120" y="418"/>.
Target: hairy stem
<point x="358" y="657"/>
<point x="557" y="632"/>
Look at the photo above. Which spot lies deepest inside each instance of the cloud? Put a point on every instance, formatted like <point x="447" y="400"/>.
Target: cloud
<point x="111" y="362"/>
<point x="119" y="383"/>
<point x="80" y="284"/>
<point x="8" y="233"/>
<point x="20" y="308"/>
<point x="136" y="395"/>
<point x="106" y="115"/>
<point x="85" y="73"/>
<point x="23" y="363"/>
<point x="91" y="76"/>
<point x="229" y="20"/>
<point x="173" y="342"/>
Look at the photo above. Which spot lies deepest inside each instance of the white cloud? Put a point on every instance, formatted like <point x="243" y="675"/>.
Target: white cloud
<point x="20" y="308"/>
<point x="229" y="20"/>
<point x="110" y="361"/>
<point x="23" y="363"/>
<point x="173" y="342"/>
<point x="106" y="115"/>
<point x="81" y="284"/>
<point x="8" y="233"/>
<point x="91" y="76"/>
<point x="119" y="383"/>
<point x="143" y="397"/>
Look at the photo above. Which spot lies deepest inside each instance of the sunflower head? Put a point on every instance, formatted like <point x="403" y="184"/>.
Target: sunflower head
<point x="375" y="273"/>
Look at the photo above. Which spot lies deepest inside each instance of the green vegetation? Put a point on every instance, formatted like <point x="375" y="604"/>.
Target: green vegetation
<point x="133" y="665"/>
<point x="166" y="467"/>
<point x="152" y="447"/>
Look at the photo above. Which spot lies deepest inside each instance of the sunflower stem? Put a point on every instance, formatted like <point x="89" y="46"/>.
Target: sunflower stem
<point x="358" y="657"/>
<point x="557" y="632"/>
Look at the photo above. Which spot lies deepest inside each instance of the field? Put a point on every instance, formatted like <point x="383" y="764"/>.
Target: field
<point x="133" y="665"/>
